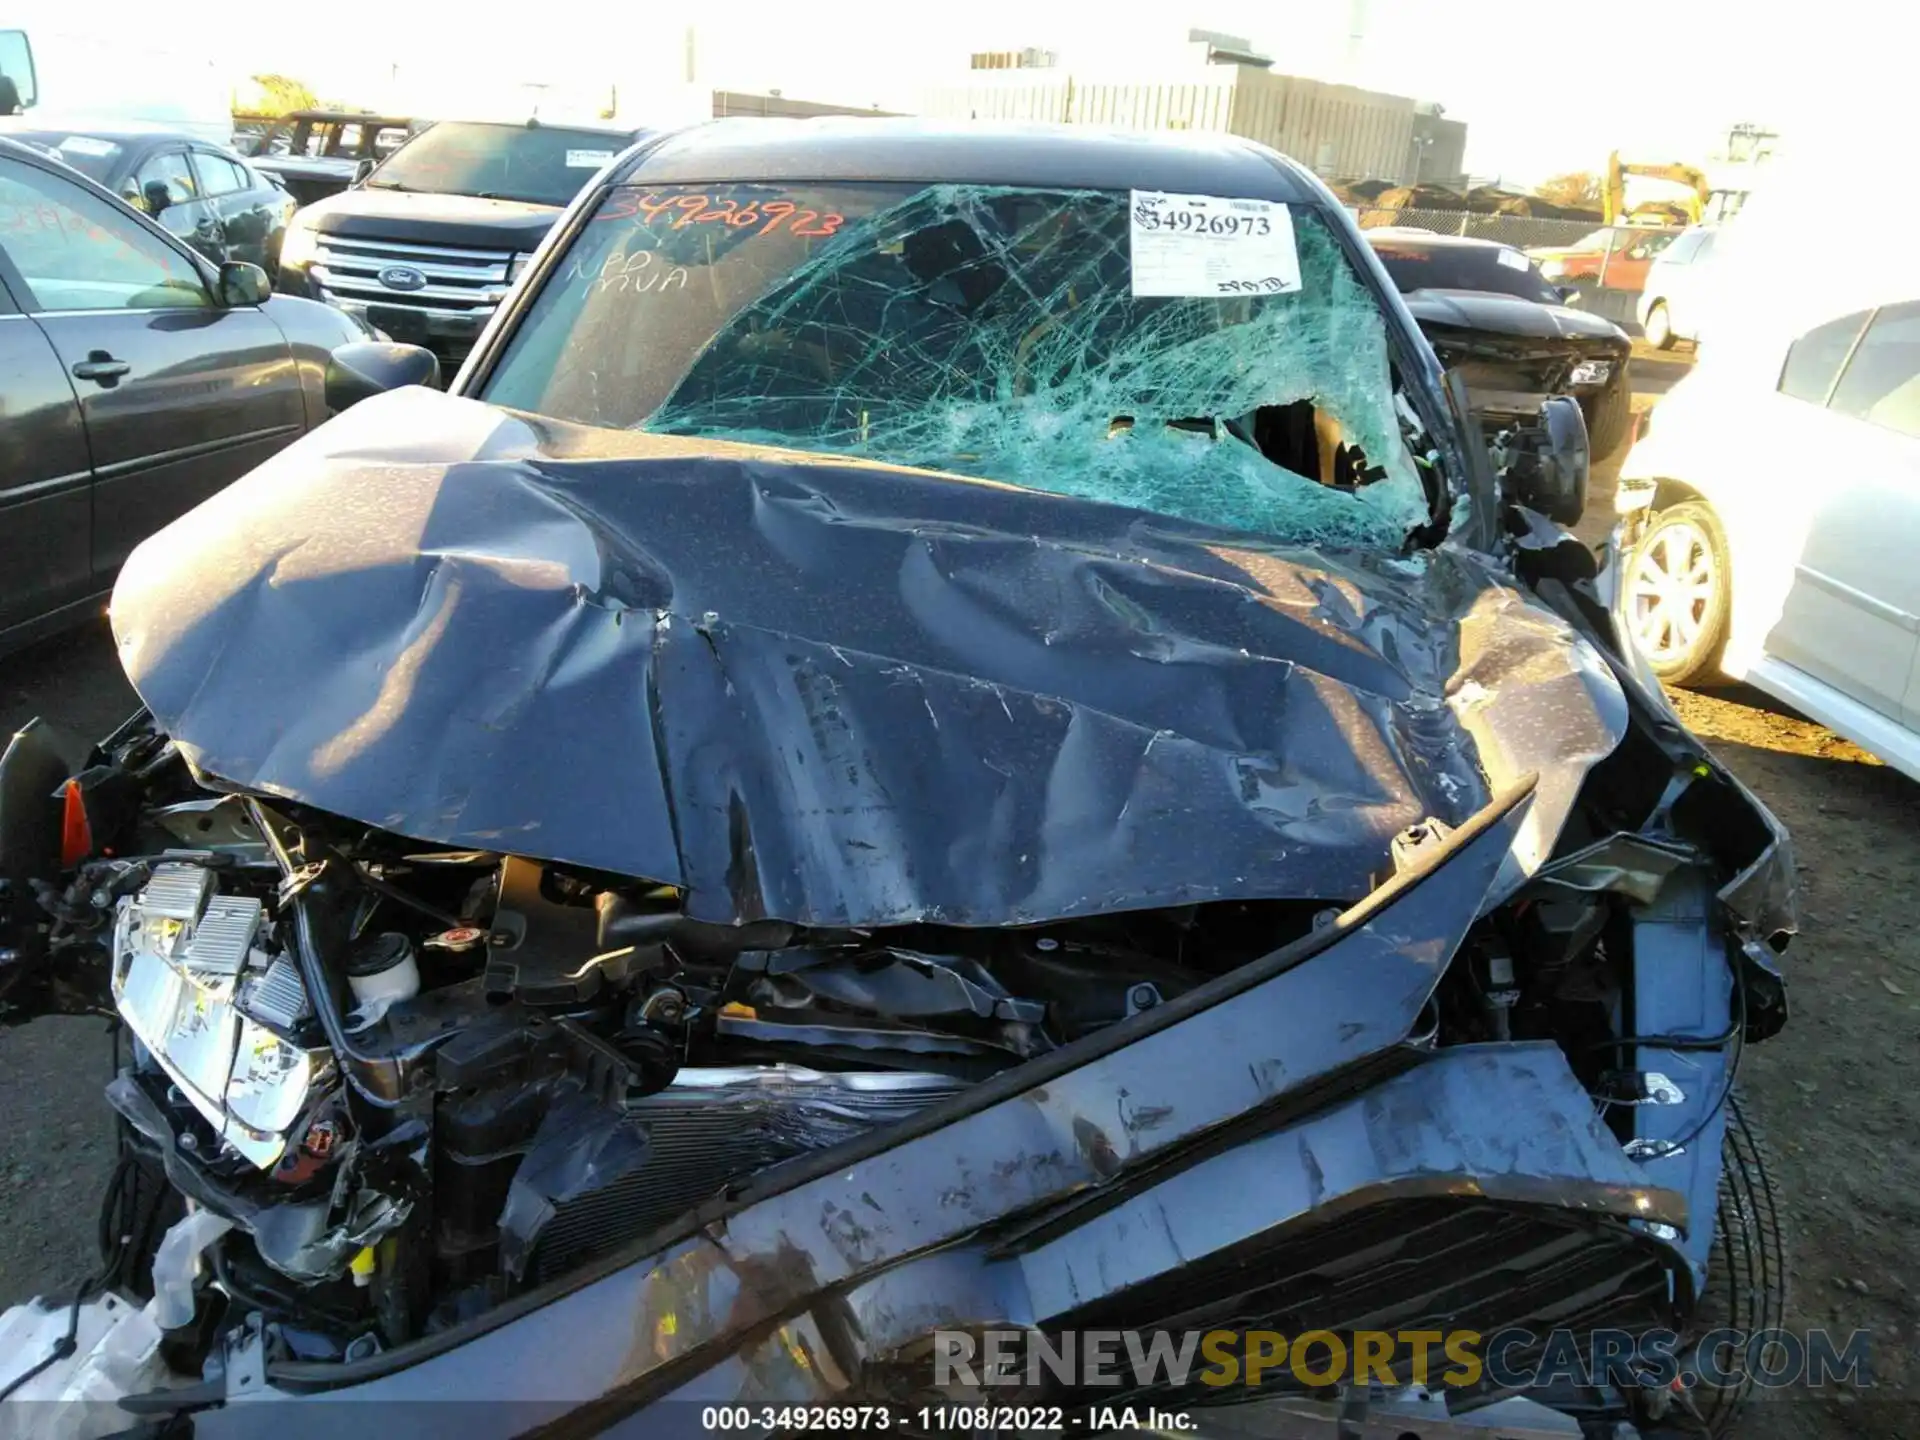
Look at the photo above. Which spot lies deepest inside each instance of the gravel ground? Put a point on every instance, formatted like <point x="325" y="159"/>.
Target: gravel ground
<point x="1832" y="1091"/>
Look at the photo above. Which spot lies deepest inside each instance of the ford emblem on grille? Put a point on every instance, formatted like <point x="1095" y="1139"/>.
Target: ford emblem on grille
<point x="402" y="277"/>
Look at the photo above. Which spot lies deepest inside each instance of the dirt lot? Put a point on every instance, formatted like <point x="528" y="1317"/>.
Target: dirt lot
<point x="1829" y="1090"/>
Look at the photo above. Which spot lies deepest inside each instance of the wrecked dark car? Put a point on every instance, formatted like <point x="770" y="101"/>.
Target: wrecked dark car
<point x="948" y="728"/>
<point x="1507" y="331"/>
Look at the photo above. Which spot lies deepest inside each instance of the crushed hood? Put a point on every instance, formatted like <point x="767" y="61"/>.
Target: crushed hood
<point x="833" y="692"/>
<point x="1508" y="315"/>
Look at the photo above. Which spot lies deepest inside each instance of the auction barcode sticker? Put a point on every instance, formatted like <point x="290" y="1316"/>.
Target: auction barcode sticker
<point x="1189" y="245"/>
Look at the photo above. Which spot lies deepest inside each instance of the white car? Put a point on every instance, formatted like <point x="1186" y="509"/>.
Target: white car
<point x="1670" y="302"/>
<point x="1771" y="509"/>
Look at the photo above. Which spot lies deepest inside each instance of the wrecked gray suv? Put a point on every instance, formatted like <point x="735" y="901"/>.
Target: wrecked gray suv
<point x="945" y="730"/>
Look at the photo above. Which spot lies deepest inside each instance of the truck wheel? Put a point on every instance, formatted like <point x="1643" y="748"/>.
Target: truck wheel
<point x="1609" y="417"/>
<point x="1679" y="594"/>
<point x="1659" y="326"/>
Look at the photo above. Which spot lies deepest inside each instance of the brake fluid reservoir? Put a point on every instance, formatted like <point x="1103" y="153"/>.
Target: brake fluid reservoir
<point x="382" y="972"/>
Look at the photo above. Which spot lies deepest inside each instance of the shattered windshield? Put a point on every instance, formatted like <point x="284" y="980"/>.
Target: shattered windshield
<point x="988" y="331"/>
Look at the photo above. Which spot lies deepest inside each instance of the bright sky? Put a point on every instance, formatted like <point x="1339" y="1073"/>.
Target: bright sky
<point x="1544" y="87"/>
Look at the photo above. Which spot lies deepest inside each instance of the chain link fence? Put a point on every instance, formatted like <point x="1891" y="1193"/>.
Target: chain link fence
<point x="1521" y="230"/>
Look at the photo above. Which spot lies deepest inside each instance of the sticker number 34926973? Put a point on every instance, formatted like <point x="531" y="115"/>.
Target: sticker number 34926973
<point x="1201" y="245"/>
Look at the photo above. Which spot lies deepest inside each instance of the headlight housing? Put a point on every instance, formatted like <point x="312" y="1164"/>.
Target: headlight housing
<point x="301" y="244"/>
<point x="192" y="980"/>
<point x="1591" y="372"/>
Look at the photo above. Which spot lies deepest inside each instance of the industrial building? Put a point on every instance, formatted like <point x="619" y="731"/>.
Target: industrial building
<point x="1220" y="84"/>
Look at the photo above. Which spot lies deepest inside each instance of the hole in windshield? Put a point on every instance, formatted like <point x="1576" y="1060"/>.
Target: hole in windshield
<point x="985" y="331"/>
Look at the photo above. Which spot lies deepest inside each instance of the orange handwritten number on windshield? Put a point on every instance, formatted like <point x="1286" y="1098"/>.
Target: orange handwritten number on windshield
<point x="828" y="224"/>
<point x="702" y="210"/>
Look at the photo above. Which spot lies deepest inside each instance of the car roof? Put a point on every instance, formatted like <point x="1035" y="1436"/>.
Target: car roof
<point x="969" y="152"/>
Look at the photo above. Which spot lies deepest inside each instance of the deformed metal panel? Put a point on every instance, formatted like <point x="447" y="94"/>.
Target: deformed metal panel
<point x="879" y="1249"/>
<point x="785" y="684"/>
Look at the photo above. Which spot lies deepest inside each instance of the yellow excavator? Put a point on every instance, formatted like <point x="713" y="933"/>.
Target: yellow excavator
<point x="1613" y="196"/>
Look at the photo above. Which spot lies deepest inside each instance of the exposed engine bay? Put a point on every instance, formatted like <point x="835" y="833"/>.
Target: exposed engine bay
<point x="410" y="1082"/>
<point x="418" y="1080"/>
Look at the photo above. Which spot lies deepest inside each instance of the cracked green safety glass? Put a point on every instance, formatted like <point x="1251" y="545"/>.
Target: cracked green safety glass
<point x="981" y="330"/>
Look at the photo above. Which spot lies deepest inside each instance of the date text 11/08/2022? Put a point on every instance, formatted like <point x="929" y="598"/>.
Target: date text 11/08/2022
<point x="959" y="1419"/>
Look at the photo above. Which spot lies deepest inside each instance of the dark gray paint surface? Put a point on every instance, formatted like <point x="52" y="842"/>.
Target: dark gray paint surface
<point x="835" y="693"/>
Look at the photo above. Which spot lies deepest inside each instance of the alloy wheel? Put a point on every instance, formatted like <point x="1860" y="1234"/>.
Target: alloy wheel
<point x="1670" y="591"/>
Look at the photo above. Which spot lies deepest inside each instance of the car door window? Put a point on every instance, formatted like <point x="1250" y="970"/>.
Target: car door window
<point x="169" y="168"/>
<point x="1814" y="360"/>
<point x="218" y="175"/>
<point x="1881" y="383"/>
<point x="76" y="252"/>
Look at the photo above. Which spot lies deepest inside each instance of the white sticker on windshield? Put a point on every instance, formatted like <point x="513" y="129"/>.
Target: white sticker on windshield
<point x="587" y="159"/>
<point x="87" y="145"/>
<point x="1512" y="259"/>
<point x="1206" y="245"/>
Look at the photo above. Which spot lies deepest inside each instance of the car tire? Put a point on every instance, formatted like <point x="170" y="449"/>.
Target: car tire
<point x="1659" y="326"/>
<point x="1609" y="417"/>
<point x="1679" y="594"/>
<point x="1746" y="1285"/>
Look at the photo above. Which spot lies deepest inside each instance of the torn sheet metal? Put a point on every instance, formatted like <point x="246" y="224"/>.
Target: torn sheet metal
<point x="907" y="1235"/>
<point x="834" y="693"/>
<point x="309" y="1241"/>
<point x="1635" y="866"/>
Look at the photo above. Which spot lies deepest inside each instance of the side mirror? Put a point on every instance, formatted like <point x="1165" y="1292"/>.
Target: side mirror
<point x="361" y="170"/>
<point x="1552" y="462"/>
<point x="154" y="192"/>
<point x="1565" y="292"/>
<point x="367" y="368"/>
<point x="242" y="284"/>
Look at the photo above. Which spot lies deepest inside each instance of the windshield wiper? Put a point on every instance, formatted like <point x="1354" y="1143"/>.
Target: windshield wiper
<point x="392" y="185"/>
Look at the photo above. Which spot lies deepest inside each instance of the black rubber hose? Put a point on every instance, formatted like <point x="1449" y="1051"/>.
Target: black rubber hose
<point x="377" y="1079"/>
<point x="62" y="1348"/>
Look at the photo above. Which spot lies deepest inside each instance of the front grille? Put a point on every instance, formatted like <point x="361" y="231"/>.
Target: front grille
<point x="1446" y="1265"/>
<point x="461" y="282"/>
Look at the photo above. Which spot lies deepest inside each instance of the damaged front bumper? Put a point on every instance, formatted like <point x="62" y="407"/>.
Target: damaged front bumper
<point x="1283" y="1147"/>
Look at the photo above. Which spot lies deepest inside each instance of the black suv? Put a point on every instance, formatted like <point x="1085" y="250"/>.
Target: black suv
<point x="427" y="246"/>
